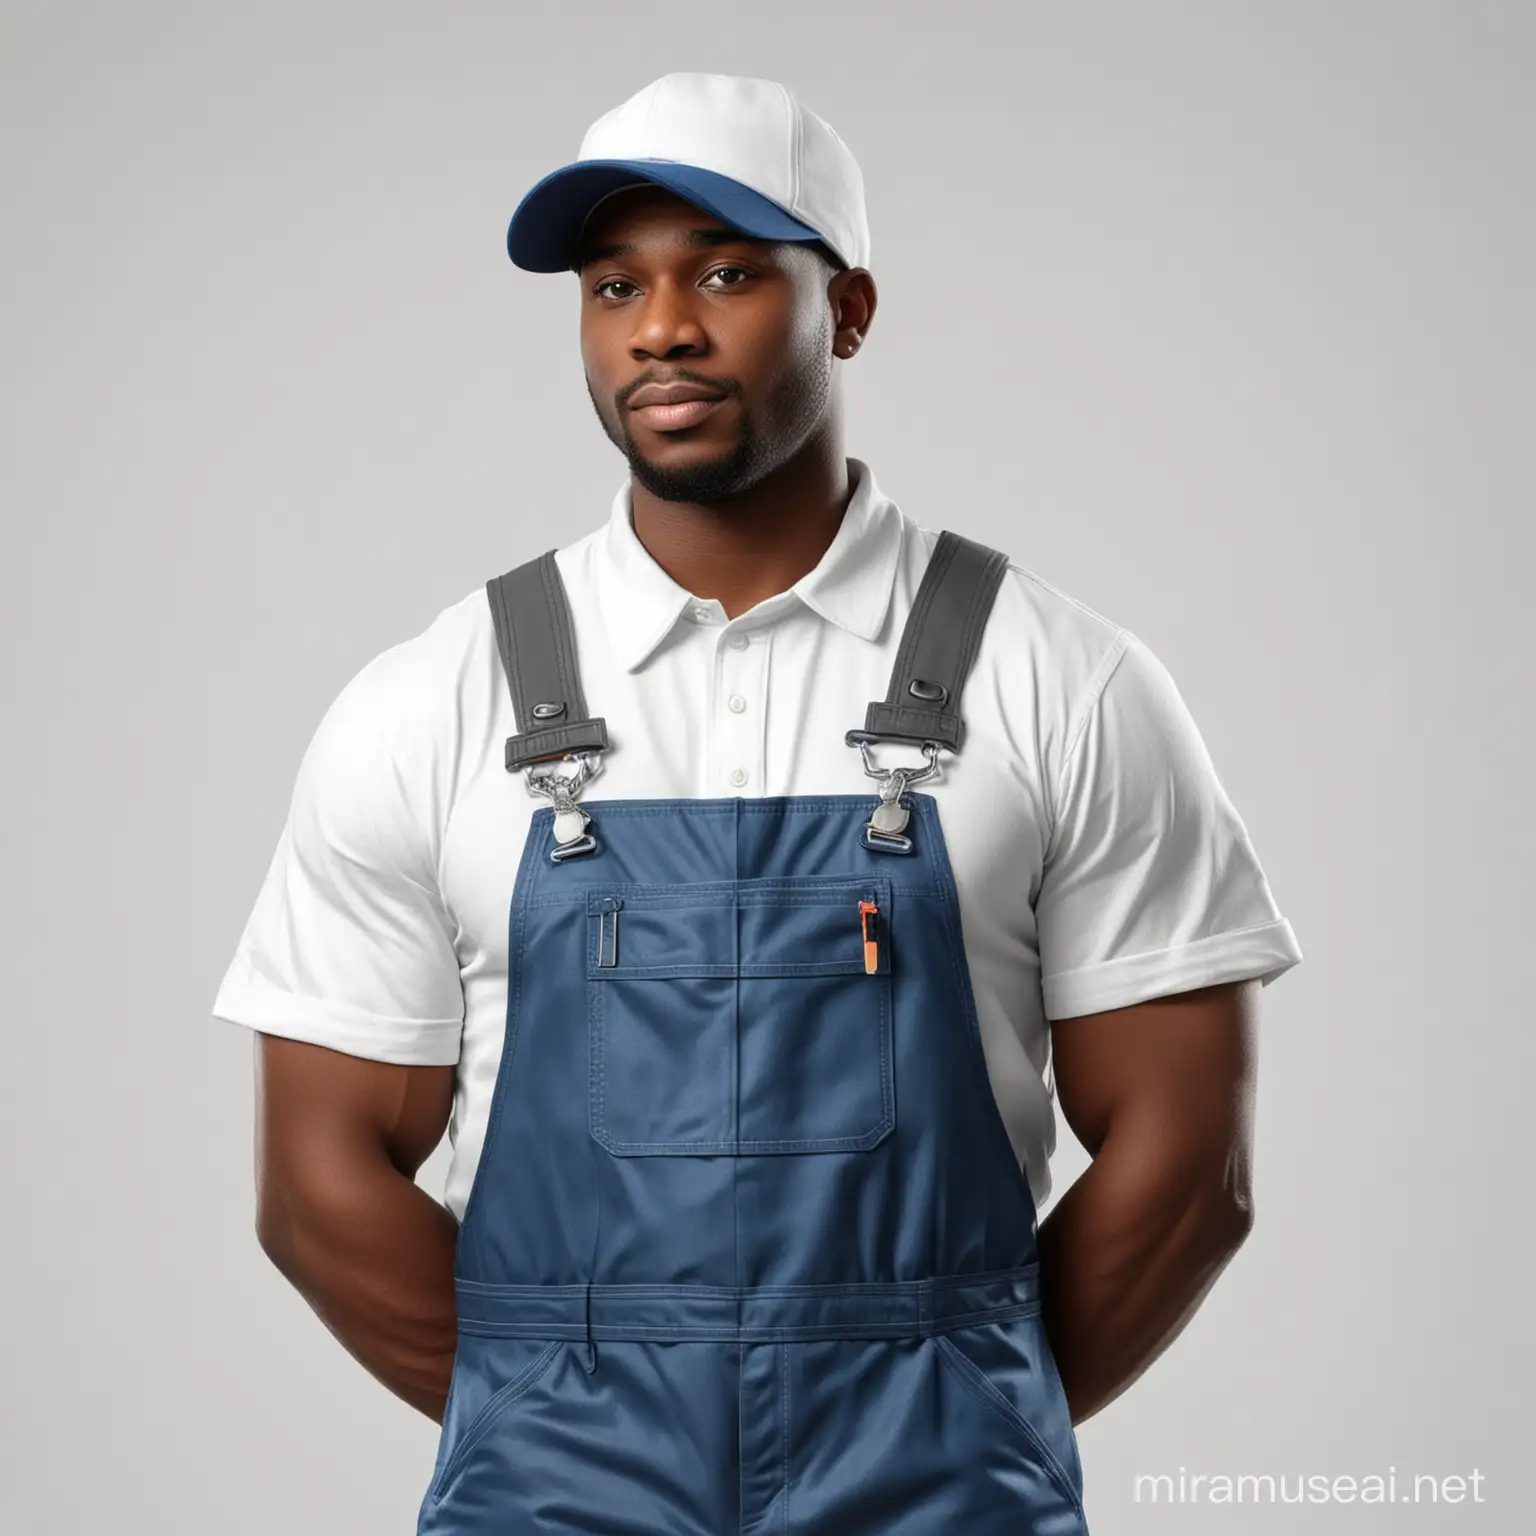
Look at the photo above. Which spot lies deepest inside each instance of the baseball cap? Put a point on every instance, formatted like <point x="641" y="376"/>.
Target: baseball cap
<point x="740" y="148"/>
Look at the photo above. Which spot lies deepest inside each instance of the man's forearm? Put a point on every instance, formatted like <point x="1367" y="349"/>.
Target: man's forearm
<point x="372" y="1253"/>
<point x="1127" y="1255"/>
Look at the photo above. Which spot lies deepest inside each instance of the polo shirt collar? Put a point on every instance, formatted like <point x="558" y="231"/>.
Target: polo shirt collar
<point x="850" y="585"/>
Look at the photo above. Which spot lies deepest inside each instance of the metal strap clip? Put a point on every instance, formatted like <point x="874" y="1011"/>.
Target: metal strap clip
<point x="560" y="789"/>
<point x="885" y="831"/>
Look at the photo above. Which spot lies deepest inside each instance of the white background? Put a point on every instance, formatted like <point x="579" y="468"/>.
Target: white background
<point x="1216" y="316"/>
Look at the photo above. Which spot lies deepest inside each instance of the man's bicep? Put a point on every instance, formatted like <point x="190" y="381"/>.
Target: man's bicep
<point x="1178" y="1070"/>
<point x="321" y="1112"/>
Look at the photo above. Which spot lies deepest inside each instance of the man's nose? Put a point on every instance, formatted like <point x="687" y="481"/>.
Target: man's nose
<point x="667" y="323"/>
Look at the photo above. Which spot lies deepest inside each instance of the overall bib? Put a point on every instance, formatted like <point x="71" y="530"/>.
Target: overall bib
<point x="747" y="1250"/>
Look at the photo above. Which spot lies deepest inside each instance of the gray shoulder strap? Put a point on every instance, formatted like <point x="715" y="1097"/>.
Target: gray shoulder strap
<point x="938" y="646"/>
<point x="538" y="655"/>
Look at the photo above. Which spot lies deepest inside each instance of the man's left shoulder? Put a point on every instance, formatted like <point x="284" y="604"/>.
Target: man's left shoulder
<point x="1035" y="624"/>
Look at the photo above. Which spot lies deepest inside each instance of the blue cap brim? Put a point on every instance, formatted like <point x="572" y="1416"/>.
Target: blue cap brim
<point x="545" y="224"/>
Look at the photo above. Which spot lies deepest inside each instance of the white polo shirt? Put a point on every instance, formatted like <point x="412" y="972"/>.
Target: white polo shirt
<point x="1097" y="857"/>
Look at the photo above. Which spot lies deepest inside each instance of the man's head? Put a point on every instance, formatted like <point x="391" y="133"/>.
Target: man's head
<point x="676" y="302"/>
<point x="718" y="230"/>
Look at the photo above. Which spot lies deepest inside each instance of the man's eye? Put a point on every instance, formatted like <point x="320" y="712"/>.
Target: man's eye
<point x="600" y="289"/>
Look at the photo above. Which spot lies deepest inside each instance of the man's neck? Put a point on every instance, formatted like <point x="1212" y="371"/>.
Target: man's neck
<point x="756" y="545"/>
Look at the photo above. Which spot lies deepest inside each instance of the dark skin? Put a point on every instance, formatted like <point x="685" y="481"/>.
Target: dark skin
<point x="744" y="504"/>
<point x="739" y="507"/>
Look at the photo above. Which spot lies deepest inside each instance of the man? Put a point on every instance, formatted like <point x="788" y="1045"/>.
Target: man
<point x="742" y="1001"/>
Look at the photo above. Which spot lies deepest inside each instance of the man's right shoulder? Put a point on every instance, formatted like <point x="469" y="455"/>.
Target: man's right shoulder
<point x="413" y="689"/>
<point x="430" y="681"/>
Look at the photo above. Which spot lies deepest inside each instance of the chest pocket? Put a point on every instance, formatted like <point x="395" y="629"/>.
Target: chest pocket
<point x="740" y="1018"/>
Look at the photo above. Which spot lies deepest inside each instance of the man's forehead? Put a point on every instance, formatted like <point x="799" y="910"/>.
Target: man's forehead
<point x="631" y="232"/>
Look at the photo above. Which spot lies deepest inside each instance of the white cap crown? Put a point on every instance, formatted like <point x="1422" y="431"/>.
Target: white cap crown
<point x="753" y="131"/>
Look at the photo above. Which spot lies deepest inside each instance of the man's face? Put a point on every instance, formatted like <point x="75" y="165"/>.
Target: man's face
<point x="686" y="300"/>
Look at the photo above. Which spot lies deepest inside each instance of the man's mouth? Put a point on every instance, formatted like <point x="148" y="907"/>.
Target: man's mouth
<point x="682" y="413"/>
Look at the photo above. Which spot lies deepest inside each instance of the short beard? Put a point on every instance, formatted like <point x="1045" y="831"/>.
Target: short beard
<point x="707" y="481"/>
<point x="797" y="402"/>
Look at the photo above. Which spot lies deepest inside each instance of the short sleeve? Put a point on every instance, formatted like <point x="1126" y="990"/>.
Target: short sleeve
<point x="1151" y="884"/>
<point x="349" y="944"/>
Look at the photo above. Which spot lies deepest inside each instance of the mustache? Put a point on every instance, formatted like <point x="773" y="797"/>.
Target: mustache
<point x="717" y="386"/>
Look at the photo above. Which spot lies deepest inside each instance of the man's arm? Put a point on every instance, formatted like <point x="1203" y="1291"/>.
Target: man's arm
<point x="1161" y="1096"/>
<point x="338" y="1143"/>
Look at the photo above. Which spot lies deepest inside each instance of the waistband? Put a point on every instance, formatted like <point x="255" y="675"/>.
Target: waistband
<point x="900" y="1309"/>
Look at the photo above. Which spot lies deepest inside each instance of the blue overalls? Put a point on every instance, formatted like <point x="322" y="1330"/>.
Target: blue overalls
<point x="747" y="1250"/>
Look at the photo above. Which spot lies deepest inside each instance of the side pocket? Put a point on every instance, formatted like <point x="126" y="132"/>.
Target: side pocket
<point x="1029" y="1395"/>
<point x="460" y="1443"/>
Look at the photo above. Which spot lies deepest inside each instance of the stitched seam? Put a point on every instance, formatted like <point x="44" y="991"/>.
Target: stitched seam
<point x="784" y="1435"/>
<point x="496" y="1405"/>
<point x="763" y="805"/>
<point x="983" y="595"/>
<point x="954" y="931"/>
<point x="510" y="655"/>
<point x="570" y="670"/>
<point x="574" y="898"/>
<point x="970" y="630"/>
<point x="795" y="144"/>
<point x="597" y="1064"/>
<point x="1108" y="664"/>
<point x="517" y="928"/>
<point x="567" y="673"/>
<point x="748" y="1333"/>
<point x="1159" y="954"/>
<point x="971" y="1375"/>
<point x="963" y="1280"/>
<point x="741" y="1436"/>
<point x="859" y="1143"/>
<point x="933" y="575"/>
<point x="787" y="891"/>
<point x="752" y="970"/>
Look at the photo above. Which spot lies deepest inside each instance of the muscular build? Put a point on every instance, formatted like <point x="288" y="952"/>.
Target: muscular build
<point x="1160" y="1094"/>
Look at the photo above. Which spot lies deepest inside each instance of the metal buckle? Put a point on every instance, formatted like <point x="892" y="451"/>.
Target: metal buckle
<point x="886" y="842"/>
<point x="913" y="775"/>
<point x="560" y="789"/>
<point x="885" y="831"/>
<point x="587" y="764"/>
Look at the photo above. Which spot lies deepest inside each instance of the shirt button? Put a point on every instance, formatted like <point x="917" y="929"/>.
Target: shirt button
<point x="737" y="703"/>
<point x="702" y="615"/>
<point x="738" y="776"/>
<point x="739" y="642"/>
